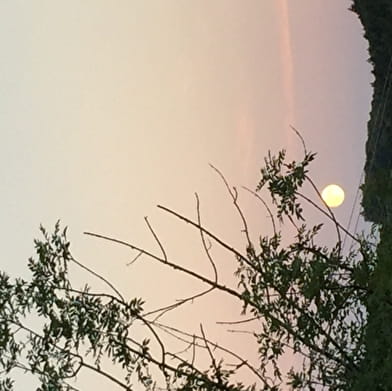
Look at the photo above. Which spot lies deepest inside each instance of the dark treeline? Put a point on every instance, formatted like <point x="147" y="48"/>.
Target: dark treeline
<point x="376" y="18"/>
<point x="376" y="368"/>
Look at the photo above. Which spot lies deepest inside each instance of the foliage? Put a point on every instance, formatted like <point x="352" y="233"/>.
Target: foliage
<point x="375" y="16"/>
<point x="376" y="368"/>
<point x="307" y="300"/>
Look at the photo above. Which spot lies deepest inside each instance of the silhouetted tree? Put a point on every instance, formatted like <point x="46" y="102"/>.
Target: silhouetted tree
<point x="303" y="298"/>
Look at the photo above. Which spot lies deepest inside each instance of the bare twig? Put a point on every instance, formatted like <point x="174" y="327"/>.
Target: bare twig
<point x="203" y="240"/>
<point x="106" y="281"/>
<point x="293" y="223"/>
<point x="232" y="292"/>
<point x="172" y="331"/>
<point x="265" y="205"/>
<point x="135" y="259"/>
<point x="164" y="310"/>
<point x="189" y="346"/>
<point x="156" y="238"/>
<point x="212" y="357"/>
<point x="193" y="350"/>
<point x="234" y="196"/>
<point x="172" y="265"/>
<point x="301" y="138"/>
<point x="211" y="235"/>
<point x="328" y="216"/>
<point x="234" y="331"/>
<point x="239" y="321"/>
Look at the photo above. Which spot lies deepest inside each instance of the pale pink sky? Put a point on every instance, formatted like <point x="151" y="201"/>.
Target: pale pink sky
<point x="109" y="108"/>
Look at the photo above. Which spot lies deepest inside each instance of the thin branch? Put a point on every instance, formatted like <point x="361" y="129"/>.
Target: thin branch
<point x="162" y="366"/>
<point x="106" y="281"/>
<point x="348" y="363"/>
<point x="234" y="196"/>
<point x="172" y="265"/>
<point x="213" y="361"/>
<point x="82" y="363"/>
<point x="26" y="369"/>
<point x="135" y="259"/>
<point x="211" y="235"/>
<point x="293" y="223"/>
<point x="172" y="330"/>
<point x="156" y="238"/>
<point x="301" y="138"/>
<point x="158" y="339"/>
<point x="231" y="292"/>
<point x="193" y="350"/>
<point x="141" y="318"/>
<point x="327" y="215"/>
<point x="332" y="215"/>
<point x="265" y="205"/>
<point x="107" y="375"/>
<point x="190" y="345"/>
<point x="206" y="249"/>
<point x="234" y="331"/>
<point x="163" y="310"/>
<point x="209" y="384"/>
<point x="239" y="321"/>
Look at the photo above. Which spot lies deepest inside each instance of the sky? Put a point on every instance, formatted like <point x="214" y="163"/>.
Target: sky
<point x="108" y="108"/>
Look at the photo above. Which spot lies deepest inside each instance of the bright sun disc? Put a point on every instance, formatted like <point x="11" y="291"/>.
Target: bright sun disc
<point x="333" y="196"/>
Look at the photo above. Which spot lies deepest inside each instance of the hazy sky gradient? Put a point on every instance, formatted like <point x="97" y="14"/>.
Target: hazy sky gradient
<point x="108" y="108"/>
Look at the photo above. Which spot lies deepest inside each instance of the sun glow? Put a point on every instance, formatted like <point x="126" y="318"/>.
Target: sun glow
<point x="333" y="195"/>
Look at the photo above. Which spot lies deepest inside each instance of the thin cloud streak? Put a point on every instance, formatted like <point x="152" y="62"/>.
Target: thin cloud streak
<point x="286" y="59"/>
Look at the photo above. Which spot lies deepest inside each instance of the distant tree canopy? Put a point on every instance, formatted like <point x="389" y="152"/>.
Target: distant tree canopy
<point x="302" y="299"/>
<point x="376" y="16"/>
